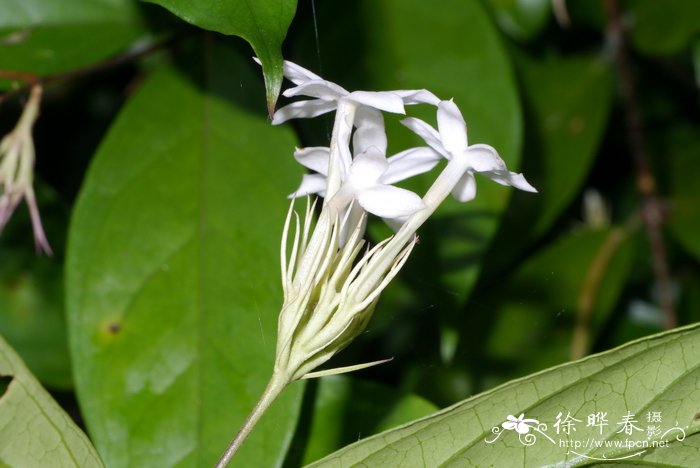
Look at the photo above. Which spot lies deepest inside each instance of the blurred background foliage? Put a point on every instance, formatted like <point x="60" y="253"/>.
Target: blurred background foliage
<point x="595" y="101"/>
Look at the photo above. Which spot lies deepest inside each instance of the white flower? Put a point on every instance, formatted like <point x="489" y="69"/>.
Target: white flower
<point x="450" y="141"/>
<point x="17" y="171"/>
<point x="367" y="178"/>
<point x="520" y="424"/>
<point x="326" y="95"/>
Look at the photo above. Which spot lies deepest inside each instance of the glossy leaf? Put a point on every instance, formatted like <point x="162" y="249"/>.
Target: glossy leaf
<point x="173" y="275"/>
<point x="34" y="430"/>
<point x="656" y="374"/>
<point x="347" y="408"/>
<point x="45" y="37"/>
<point x="263" y="23"/>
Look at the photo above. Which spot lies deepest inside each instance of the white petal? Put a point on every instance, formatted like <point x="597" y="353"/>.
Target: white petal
<point x="465" y="189"/>
<point x="303" y="110"/>
<point x="411" y="162"/>
<point x="367" y="168"/>
<point x="417" y="96"/>
<point x="484" y="158"/>
<point x="386" y="201"/>
<point x="427" y="133"/>
<point x="321" y="89"/>
<point x="315" y="158"/>
<point x="382" y="100"/>
<point x="310" y="183"/>
<point x="297" y="74"/>
<point x="453" y="129"/>
<point x="510" y="178"/>
<point x="344" y="133"/>
<point x="370" y="130"/>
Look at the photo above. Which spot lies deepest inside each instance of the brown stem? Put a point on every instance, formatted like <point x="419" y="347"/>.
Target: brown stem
<point x="31" y="79"/>
<point x="652" y="207"/>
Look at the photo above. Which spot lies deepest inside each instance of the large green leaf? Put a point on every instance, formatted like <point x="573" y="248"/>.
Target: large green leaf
<point x="263" y="23"/>
<point x="173" y="283"/>
<point x="34" y="430"/>
<point x="49" y="36"/>
<point x="658" y="374"/>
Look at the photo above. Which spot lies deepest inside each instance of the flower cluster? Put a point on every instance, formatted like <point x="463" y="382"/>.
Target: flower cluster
<point x="17" y="170"/>
<point x="331" y="280"/>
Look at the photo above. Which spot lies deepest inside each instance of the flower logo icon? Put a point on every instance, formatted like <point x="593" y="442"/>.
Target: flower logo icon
<point x="519" y="424"/>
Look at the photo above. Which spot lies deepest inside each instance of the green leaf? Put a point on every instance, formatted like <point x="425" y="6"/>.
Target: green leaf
<point x="34" y="430"/>
<point x="263" y="23"/>
<point x="521" y="19"/>
<point x="656" y="374"/>
<point x="663" y="27"/>
<point x="173" y="275"/>
<point x="347" y="408"/>
<point x="46" y="37"/>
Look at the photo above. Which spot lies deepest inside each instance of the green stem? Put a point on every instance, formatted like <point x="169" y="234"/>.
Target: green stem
<point x="274" y="388"/>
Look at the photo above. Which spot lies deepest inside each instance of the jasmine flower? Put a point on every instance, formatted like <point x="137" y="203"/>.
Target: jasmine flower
<point x="450" y="141"/>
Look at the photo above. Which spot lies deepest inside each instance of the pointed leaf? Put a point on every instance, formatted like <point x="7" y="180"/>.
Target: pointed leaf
<point x="657" y="374"/>
<point x="173" y="275"/>
<point x="263" y="23"/>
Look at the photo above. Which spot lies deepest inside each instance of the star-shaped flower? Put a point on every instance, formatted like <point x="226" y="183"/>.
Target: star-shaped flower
<point x="520" y="424"/>
<point x="326" y="95"/>
<point x="450" y="141"/>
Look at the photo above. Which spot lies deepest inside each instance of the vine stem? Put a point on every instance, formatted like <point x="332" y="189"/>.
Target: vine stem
<point x="31" y="79"/>
<point x="653" y="212"/>
<point x="276" y="385"/>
